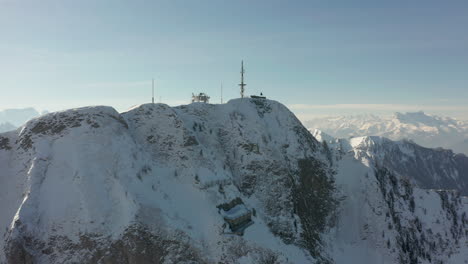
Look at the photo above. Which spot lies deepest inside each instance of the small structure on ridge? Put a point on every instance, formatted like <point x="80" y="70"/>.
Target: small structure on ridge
<point x="258" y="96"/>
<point x="200" y="98"/>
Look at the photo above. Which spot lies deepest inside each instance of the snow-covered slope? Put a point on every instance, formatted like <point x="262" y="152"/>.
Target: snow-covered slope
<point x="391" y="212"/>
<point x="149" y="185"/>
<point x="385" y="219"/>
<point x="426" y="130"/>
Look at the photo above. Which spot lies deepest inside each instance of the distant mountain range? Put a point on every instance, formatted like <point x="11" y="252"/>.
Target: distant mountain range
<point x="6" y="127"/>
<point x="460" y="147"/>
<point x="10" y="119"/>
<point x="425" y="130"/>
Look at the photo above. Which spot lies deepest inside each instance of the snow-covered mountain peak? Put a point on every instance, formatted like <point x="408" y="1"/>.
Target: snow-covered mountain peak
<point x="95" y="179"/>
<point x="242" y="182"/>
<point x="413" y="117"/>
<point x="361" y="142"/>
<point x="57" y="124"/>
<point x="421" y="119"/>
<point x="322" y="136"/>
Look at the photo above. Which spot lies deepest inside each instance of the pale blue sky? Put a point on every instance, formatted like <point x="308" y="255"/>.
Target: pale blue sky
<point x="317" y="57"/>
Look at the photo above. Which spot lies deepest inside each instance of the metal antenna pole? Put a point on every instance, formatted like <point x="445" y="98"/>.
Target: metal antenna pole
<point x="242" y="84"/>
<point x="221" y="93"/>
<point x="152" y="98"/>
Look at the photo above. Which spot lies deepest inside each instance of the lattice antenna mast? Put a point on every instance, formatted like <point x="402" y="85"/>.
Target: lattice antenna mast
<point x="242" y="84"/>
<point x="152" y="98"/>
<point x="221" y="93"/>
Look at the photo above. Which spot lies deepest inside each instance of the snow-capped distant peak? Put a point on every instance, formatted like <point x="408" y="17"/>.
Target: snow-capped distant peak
<point x="322" y="136"/>
<point x="4" y="127"/>
<point x="424" y="129"/>
<point x="18" y="117"/>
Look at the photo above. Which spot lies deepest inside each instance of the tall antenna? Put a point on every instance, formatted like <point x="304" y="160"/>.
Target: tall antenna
<point x="221" y="93"/>
<point x="242" y="84"/>
<point x="152" y="98"/>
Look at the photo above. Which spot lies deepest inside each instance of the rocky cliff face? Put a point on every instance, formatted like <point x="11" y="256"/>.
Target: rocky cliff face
<point x="384" y="218"/>
<point x="425" y="167"/>
<point x="391" y="212"/>
<point x="91" y="185"/>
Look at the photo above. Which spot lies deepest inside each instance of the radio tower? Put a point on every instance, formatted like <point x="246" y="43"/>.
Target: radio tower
<point x="242" y="84"/>
<point x="152" y="98"/>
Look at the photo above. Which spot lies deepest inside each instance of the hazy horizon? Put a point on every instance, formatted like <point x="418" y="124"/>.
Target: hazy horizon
<point x="301" y="111"/>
